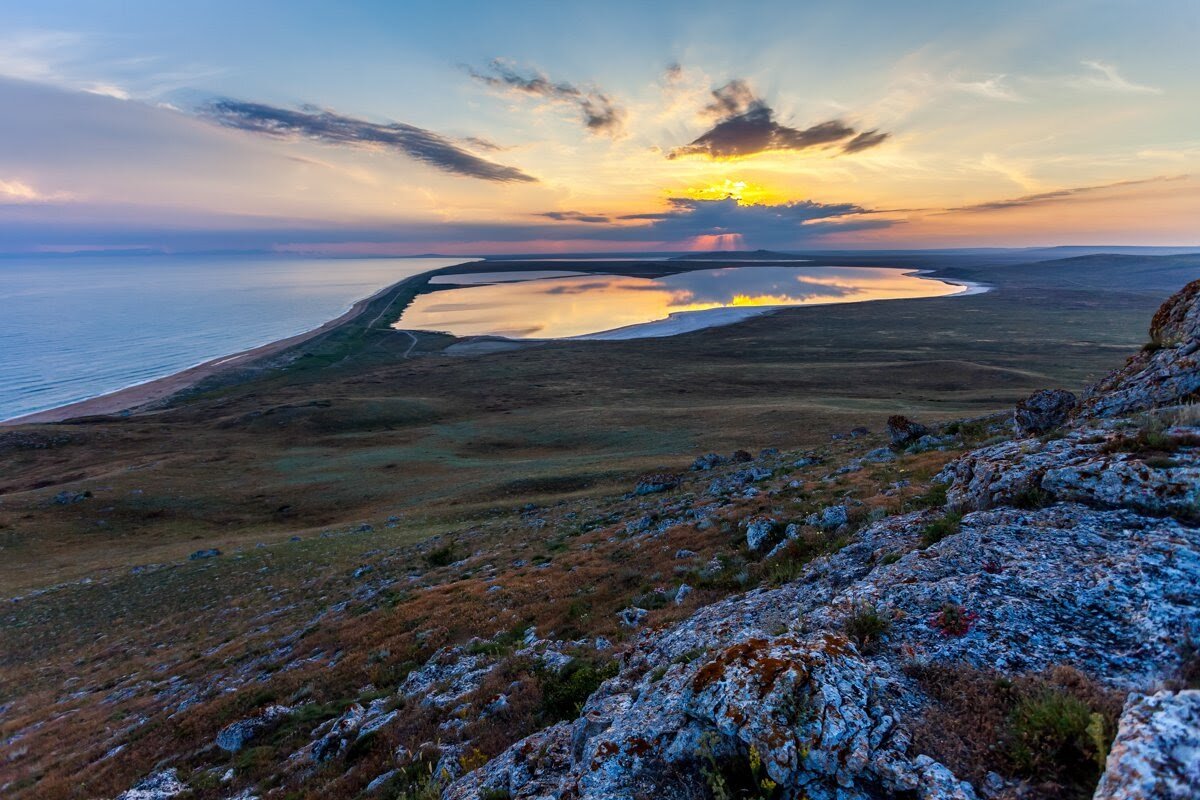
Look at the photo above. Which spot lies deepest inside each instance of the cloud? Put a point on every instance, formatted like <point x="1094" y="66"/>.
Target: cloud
<point x="575" y="216"/>
<point x="1059" y="195"/>
<point x="331" y="128"/>
<point x="781" y="224"/>
<point x="18" y="192"/>
<point x="746" y="126"/>
<point x="600" y="114"/>
<point x="1106" y="76"/>
<point x="865" y="141"/>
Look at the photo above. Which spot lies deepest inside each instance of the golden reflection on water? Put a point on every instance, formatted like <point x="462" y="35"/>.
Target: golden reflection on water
<point x="558" y="307"/>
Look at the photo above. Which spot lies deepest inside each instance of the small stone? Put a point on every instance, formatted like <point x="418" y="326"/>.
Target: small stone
<point x="211" y="552"/>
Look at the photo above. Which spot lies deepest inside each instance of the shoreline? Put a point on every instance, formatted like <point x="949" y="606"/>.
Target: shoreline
<point x="130" y="399"/>
<point x="136" y="396"/>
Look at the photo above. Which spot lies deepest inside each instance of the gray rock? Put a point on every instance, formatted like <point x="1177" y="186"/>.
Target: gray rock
<point x="1043" y="411"/>
<point x="682" y="554"/>
<point x="657" y="482"/>
<point x="904" y="431"/>
<point x="202" y="554"/>
<point x="707" y="462"/>
<point x="159" y="786"/>
<point x="834" y="516"/>
<point x="1156" y="754"/>
<point x="633" y="616"/>
<point x="881" y="455"/>
<point x="761" y="534"/>
<point x="682" y="594"/>
<point x="234" y="736"/>
<point x="380" y="781"/>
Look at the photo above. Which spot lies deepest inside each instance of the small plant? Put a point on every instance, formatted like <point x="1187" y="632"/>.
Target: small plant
<point x="867" y="627"/>
<point x="939" y="529"/>
<point x="491" y="793"/>
<point x="736" y="777"/>
<point x="1032" y="498"/>
<point x="954" y="620"/>
<point x="891" y="558"/>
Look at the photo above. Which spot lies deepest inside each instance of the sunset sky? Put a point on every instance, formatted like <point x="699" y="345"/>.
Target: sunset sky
<point x="526" y="127"/>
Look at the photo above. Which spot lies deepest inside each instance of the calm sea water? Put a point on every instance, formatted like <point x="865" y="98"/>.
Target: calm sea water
<point x="74" y="328"/>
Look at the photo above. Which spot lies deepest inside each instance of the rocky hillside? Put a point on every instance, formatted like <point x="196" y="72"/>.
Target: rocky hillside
<point x="1028" y="628"/>
<point x="1075" y="549"/>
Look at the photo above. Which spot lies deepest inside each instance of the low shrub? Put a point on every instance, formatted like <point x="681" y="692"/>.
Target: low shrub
<point x="867" y="627"/>
<point x="954" y="620"/>
<point x="441" y="557"/>
<point x="939" y="529"/>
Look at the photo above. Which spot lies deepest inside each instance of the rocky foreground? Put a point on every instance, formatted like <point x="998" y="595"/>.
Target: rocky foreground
<point x="1034" y="633"/>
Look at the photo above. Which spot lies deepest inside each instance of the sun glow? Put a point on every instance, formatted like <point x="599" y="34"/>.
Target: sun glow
<point x="744" y="192"/>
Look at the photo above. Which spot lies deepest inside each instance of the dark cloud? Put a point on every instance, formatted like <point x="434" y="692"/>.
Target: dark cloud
<point x="601" y="115"/>
<point x="326" y="126"/>
<point x="673" y="72"/>
<point x="1061" y="194"/>
<point x="687" y="218"/>
<point x="574" y="216"/>
<point x="865" y="141"/>
<point x="746" y="125"/>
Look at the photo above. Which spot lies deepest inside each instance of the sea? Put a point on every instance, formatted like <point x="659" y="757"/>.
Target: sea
<point x="76" y="327"/>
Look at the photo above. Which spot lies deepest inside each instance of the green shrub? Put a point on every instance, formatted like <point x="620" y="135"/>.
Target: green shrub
<point x="564" y="692"/>
<point x="441" y="557"/>
<point x="1057" y="737"/>
<point x="939" y="529"/>
<point x="935" y="497"/>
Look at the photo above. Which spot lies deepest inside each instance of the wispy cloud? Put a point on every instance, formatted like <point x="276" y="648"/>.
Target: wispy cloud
<point x="746" y="126"/>
<point x="1106" y="76"/>
<point x="332" y="128"/>
<point x="1062" y="195"/>
<point x="575" y="216"/>
<point x="600" y="114"/>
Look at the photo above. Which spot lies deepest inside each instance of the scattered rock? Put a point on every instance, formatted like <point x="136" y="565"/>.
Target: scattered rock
<point x="881" y="455"/>
<point x="211" y="552"/>
<point x="904" y="431"/>
<point x="633" y="616"/>
<point x="235" y="735"/>
<point x="682" y="594"/>
<point x="159" y="786"/>
<point x="709" y="461"/>
<point x="656" y="482"/>
<point x="70" y="498"/>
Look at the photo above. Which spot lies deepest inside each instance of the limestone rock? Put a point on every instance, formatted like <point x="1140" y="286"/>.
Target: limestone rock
<point x="1156" y="755"/>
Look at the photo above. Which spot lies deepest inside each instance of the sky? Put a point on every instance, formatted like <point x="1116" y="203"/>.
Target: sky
<point x="522" y="127"/>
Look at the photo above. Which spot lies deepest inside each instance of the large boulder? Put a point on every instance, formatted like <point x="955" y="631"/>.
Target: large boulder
<point x="1165" y="372"/>
<point x="1043" y="411"/>
<point x="1156" y="755"/>
<point x="234" y="736"/>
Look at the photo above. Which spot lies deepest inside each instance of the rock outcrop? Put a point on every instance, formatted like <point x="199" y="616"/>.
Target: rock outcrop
<point x="1165" y="372"/>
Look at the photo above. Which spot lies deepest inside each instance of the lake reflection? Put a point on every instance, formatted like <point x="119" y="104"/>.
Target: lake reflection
<point x="565" y="305"/>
